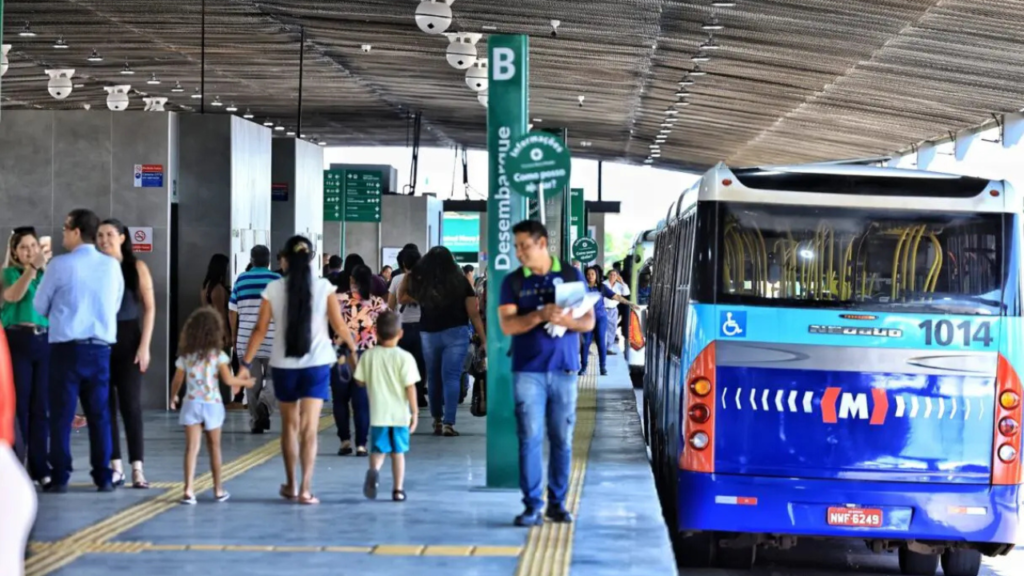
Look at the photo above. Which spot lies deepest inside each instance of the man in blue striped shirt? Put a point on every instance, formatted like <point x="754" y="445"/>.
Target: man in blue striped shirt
<point x="244" y="310"/>
<point x="80" y="295"/>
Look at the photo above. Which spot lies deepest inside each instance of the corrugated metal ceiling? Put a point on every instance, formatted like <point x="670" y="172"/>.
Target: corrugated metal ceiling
<point x="792" y="81"/>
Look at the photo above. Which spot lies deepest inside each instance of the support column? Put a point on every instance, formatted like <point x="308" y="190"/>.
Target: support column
<point x="506" y="121"/>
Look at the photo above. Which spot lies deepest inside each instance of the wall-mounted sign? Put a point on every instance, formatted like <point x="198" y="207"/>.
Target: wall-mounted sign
<point x="584" y="250"/>
<point x="279" y="192"/>
<point x="142" y="239"/>
<point x="538" y="159"/>
<point x="149" y="175"/>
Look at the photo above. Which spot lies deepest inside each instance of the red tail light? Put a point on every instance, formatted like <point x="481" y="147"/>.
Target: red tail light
<point x="1006" y="467"/>
<point x="636" y="332"/>
<point x="698" y="406"/>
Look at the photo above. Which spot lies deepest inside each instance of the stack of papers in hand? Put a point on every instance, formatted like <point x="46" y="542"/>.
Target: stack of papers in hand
<point x="576" y="300"/>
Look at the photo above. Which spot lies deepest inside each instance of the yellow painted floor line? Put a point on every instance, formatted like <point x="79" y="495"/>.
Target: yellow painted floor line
<point x="56" y="555"/>
<point x="132" y="547"/>
<point x="548" y="550"/>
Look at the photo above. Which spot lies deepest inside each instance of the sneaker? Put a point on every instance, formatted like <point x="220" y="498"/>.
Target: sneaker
<point x="449" y="430"/>
<point x="263" y="416"/>
<point x="54" y="488"/>
<point x="529" y="517"/>
<point x="559" y="514"/>
<point x="370" y="484"/>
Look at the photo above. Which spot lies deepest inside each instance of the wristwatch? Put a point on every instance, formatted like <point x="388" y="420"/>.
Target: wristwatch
<point x="244" y="364"/>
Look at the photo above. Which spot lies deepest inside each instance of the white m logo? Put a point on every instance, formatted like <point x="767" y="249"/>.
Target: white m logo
<point x="853" y="406"/>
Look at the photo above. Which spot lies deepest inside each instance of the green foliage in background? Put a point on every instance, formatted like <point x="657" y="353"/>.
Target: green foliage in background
<point x="616" y="246"/>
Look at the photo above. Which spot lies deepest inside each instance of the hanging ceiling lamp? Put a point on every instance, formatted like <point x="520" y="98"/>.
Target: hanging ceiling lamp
<point x="95" y="56"/>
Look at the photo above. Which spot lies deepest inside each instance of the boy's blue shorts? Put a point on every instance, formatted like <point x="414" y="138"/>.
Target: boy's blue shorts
<point x="389" y="439"/>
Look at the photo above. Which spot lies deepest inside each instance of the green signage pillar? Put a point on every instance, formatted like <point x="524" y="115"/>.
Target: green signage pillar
<point x="507" y="113"/>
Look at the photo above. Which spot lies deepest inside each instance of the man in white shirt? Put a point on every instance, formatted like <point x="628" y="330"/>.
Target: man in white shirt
<point x="611" y="307"/>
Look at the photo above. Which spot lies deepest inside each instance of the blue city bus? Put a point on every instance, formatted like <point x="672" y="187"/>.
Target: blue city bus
<point x="833" y="352"/>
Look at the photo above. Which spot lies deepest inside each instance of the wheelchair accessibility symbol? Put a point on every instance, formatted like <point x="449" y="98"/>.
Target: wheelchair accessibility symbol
<point x="734" y="324"/>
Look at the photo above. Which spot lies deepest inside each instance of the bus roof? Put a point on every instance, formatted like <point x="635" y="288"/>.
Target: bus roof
<point x="852" y="186"/>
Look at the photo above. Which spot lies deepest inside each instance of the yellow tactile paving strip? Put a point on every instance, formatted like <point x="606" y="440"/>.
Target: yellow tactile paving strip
<point x="379" y="550"/>
<point x="548" y="549"/>
<point x="62" y="552"/>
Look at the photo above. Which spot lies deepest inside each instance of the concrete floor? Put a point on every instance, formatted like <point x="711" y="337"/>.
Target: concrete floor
<point x="449" y="525"/>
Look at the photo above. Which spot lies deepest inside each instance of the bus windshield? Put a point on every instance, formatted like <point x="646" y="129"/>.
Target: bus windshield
<point x="831" y="257"/>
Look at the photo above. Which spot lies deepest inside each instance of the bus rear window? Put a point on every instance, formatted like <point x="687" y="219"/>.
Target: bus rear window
<point x="802" y="256"/>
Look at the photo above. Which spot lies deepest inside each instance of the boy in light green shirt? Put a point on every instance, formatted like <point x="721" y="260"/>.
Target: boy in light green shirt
<point x="389" y="375"/>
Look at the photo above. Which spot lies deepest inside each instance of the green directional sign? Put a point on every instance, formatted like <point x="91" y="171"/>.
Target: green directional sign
<point x="577" y="206"/>
<point x="508" y="71"/>
<point x="584" y="250"/>
<point x="334" y="195"/>
<point x="539" y="159"/>
<point x="363" y="195"/>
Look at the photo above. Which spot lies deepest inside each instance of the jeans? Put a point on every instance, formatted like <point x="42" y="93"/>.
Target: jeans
<point x="126" y="391"/>
<point x="30" y="360"/>
<point x="344" y="390"/>
<point x="445" y="354"/>
<point x="600" y="321"/>
<point x="80" y="370"/>
<point x="545" y="398"/>
<point x="262" y="393"/>
<point x="412" y="343"/>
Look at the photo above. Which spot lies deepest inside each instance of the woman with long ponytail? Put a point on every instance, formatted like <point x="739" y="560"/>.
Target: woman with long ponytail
<point x="301" y="308"/>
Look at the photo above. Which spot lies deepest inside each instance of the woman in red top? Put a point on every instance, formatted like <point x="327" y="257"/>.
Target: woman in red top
<point x="17" y="497"/>
<point x="359" y="309"/>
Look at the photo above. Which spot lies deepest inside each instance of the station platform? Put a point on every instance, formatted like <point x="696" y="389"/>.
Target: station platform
<point x="450" y="524"/>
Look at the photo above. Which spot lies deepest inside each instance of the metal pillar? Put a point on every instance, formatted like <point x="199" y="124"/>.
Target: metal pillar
<point x="507" y="113"/>
<point x="416" y="126"/>
<point x="302" y="62"/>
<point x="202" y="59"/>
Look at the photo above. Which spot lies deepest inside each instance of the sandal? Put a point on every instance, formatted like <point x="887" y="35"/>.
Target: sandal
<point x="117" y="478"/>
<point x="345" y="450"/>
<point x="438" y="427"/>
<point x="361" y="451"/>
<point x="287" y="494"/>
<point x="398" y="495"/>
<point x="370" y="484"/>
<point x="138" y="480"/>
<point x="188" y="500"/>
<point x="309" y="500"/>
<point x="449" y="430"/>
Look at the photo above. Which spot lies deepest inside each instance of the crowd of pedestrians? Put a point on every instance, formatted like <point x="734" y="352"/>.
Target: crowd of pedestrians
<point x="379" y="346"/>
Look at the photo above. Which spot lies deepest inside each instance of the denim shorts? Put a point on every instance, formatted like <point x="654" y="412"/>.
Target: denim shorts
<point x="294" y="384"/>
<point x="389" y="439"/>
<point x="209" y="414"/>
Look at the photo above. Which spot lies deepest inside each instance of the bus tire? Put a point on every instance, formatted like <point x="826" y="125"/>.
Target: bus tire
<point x="741" y="558"/>
<point x="696" y="551"/>
<point x="917" y="564"/>
<point x="961" y="562"/>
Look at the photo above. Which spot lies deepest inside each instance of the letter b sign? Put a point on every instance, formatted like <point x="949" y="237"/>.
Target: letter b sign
<point x="504" y="65"/>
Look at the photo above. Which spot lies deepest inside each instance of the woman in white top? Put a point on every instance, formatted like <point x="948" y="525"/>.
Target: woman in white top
<point x="611" y="306"/>
<point x="301" y="360"/>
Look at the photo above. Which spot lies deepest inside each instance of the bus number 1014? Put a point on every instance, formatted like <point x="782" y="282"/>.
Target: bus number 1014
<point x="945" y="332"/>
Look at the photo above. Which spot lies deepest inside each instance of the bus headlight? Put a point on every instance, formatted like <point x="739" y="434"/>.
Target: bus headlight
<point x="699" y="441"/>
<point x="701" y="387"/>
<point x="1009" y="400"/>
<point x="1008" y="427"/>
<point x="700" y="413"/>
<point x="1007" y="453"/>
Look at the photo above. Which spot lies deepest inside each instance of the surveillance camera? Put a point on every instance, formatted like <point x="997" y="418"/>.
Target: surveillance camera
<point x="476" y="76"/>
<point x="434" y="16"/>
<point x="117" y="97"/>
<point x="155" y="104"/>
<point x="462" y="52"/>
<point x="367" y="47"/>
<point x="60" y="85"/>
<point x="554" y="28"/>
<point x="581" y="99"/>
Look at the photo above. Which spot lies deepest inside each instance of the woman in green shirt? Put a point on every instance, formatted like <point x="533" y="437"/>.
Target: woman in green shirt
<point x="30" y="349"/>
